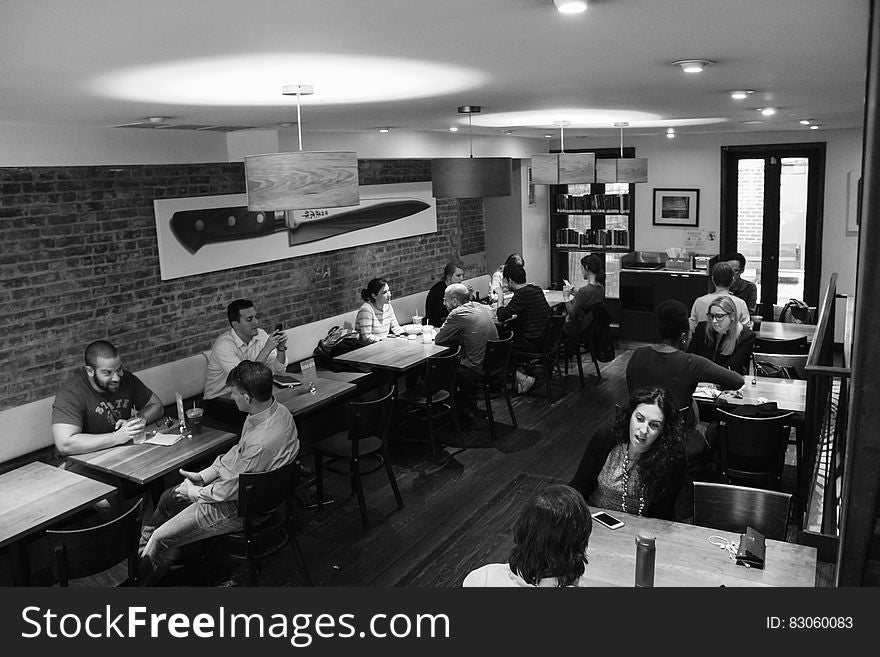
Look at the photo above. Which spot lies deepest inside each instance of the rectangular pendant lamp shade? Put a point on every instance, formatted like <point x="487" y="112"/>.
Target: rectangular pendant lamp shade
<point x="471" y="177"/>
<point x="301" y="180"/>
<point x="563" y="168"/>
<point x="622" y="170"/>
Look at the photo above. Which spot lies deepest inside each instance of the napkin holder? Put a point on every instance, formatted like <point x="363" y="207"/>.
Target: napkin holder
<point x="751" y="549"/>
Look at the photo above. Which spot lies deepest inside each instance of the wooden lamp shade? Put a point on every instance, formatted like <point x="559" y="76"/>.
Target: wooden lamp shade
<point x="622" y="170"/>
<point x="301" y="180"/>
<point x="563" y="168"/>
<point x="471" y="177"/>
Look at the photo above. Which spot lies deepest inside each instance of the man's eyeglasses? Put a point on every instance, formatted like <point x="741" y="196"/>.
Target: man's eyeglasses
<point x="718" y="317"/>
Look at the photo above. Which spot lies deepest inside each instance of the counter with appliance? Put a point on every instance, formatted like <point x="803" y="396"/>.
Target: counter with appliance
<point x="645" y="281"/>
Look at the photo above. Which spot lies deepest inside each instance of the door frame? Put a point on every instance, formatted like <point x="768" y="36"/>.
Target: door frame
<point x="815" y="202"/>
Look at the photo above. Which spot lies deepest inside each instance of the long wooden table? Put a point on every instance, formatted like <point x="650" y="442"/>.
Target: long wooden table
<point x="685" y="557"/>
<point x="300" y="401"/>
<point x="35" y="496"/>
<point x="785" y="331"/>
<point x="789" y="394"/>
<point x="394" y="354"/>
<point x="146" y="464"/>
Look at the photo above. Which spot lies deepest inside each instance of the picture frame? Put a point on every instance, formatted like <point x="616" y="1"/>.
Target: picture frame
<point x="676" y="207"/>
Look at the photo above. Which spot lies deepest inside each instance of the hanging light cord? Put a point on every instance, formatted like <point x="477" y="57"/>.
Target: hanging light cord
<point x="299" y="121"/>
<point x="470" y="135"/>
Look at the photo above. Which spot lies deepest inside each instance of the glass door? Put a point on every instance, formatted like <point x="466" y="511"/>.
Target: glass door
<point x="771" y="213"/>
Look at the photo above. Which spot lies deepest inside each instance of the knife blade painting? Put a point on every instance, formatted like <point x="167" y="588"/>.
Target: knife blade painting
<point x="209" y="233"/>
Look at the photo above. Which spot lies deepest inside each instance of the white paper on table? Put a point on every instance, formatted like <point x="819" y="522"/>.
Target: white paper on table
<point x="166" y="439"/>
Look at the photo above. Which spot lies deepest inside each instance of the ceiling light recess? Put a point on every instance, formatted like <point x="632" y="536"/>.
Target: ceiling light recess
<point x="563" y="168"/>
<point x="740" y="94"/>
<point x="767" y="111"/>
<point x="301" y="180"/>
<point x="470" y="177"/>
<point x="622" y="169"/>
<point x="693" y="65"/>
<point x="570" y="6"/>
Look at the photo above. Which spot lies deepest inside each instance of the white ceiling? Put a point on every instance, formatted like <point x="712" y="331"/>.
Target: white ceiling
<point x="805" y="57"/>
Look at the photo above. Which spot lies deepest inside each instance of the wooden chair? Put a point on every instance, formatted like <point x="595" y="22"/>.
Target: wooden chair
<point x="496" y="370"/>
<point x="578" y="348"/>
<point x="265" y="505"/>
<point x="435" y="399"/>
<point x="366" y="436"/>
<point x="548" y="357"/>
<point x="797" y="345"/>
<point x="781" y="366"/>
<point x="752" y="449"/>
<point x="733" y="508"/>
<point x="84" y="552"/>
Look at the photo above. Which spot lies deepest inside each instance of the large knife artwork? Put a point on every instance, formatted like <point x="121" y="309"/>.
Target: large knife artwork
<point x="195" y="228"/>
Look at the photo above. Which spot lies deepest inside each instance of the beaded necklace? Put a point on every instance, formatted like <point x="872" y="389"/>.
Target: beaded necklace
<point x="626" y="488"/>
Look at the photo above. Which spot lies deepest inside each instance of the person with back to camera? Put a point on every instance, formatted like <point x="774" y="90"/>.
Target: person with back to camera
<point x="375" y="318"/>
<point x="745" y="290"/>
<point x="579" y="309"/>
<point x="550" y="537"/>
<point x="722" y="339"/>
<point x="665" y="365"/>
<point x="435" y="307"/>
<point x="637" y="464"/>
<point x="497" y="287"/>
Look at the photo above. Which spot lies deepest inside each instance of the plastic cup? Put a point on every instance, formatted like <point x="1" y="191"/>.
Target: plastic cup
<point x="756" y="322"/>
<point x="194" y="419"/>
<point x="417" y="320"/>
<point x="141" y="435"/>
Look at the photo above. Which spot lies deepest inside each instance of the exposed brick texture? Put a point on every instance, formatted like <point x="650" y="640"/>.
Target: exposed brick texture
<point x="79" y="262"/>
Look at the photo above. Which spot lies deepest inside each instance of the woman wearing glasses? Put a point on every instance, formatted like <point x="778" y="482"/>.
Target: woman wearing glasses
<point x="721" y="339"/>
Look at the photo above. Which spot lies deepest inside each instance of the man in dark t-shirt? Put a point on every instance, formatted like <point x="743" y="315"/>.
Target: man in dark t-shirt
<point x="101" y="405"/>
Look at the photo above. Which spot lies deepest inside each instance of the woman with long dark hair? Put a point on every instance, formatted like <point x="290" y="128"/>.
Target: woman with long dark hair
<point x="550" y="544"/>
<point x="637" y="464"/>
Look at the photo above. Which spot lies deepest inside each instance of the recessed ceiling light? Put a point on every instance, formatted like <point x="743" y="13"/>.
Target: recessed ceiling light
<point x="740" y="94"/>
<point x="805" y="121"/>
<point x="156" y="119"/>
<point x="549" y="136"/>
<point x="287" y="124"/>
<point x="752" y="122"/>
<point x="570" y="6"/>
<point x="814" y="127"/>
<point x="767" y="111"/>
<point x="670" y="133"/>
<point x="453" y="129"/>
<point x="384" y="130"/>
<point x="507" y="132"/>
<point x="693" y="65"/>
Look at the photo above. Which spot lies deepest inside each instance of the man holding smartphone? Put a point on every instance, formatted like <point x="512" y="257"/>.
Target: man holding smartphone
<point x="245" y="340"/>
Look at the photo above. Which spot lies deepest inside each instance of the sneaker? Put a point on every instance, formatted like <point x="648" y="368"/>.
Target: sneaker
<point x="524" y="383"/>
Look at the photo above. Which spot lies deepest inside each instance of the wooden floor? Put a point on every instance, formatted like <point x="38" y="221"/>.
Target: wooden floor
<point x="459" y="511"/>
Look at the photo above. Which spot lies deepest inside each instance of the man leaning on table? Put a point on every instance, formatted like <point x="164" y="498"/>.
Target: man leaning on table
<point x="245" y="340"/>
<point x="206" y="503"/>
<point x="469" y="325"/>
<point x="102" y="405"/>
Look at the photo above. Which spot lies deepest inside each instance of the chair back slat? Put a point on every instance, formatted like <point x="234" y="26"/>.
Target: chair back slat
<point x="83" y="552"/>
<point x="733" y="508"/>
<point x="753" y="448"/>
<point x="261" y="493"/>
<point x="797" y="345"/>
<point x="440" y="373"/>
<point x="497" y="358"/>
<point x="369" y="418"/>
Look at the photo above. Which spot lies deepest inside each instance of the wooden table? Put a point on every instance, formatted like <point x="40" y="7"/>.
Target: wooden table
<point x="686" y="558"/>
<point x="394" y="354"/>
<point x="300" y="401"/>
<point x="789" y="394"/>
<point x="35" y="496"/>
<point x="146" y="464"/>
<point x="784" y="331"/>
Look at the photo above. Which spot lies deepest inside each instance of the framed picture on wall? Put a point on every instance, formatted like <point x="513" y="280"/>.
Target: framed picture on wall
<point x="676" y="207"/>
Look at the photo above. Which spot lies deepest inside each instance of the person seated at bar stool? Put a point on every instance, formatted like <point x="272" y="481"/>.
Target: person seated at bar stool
<point x="745" y="290"/>
<point x="497" y="287"/>
<point x="102" y="405"/>
<point x="664" y="365"/>
<point x="637" y="464"/>
<point x="550" y="537"/>
<point x="245" y="340"/>
<point x="579" y="309"/>
<point x="205" y="504"/>
<point x="722" y="277"/>
<point x="469" y="325"/>
<point x="375" y="319"/>
<point x="528" y="314"/>
<point x="722" y="339"/>
<point x="435" y="306"/>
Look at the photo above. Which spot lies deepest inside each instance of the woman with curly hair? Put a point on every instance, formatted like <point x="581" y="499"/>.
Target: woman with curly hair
<point x="636" y="465"/>
<point x="721" y="338"/>
<point x="550" y="544"/>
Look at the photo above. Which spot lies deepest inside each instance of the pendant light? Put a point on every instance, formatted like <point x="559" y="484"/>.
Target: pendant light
<point x="301" y="180"/>
<point x="563" y="168"/>
<point x="622" y="169"/>
<point x="470" y="177"/>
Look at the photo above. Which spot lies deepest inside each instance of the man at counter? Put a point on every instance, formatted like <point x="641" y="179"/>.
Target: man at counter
<point x="745" y="290"/>
<point x="722" y="276"/>
<point x="245" y="340"/>
<point x="469" y="325"/>
<point x="102" y="405"/>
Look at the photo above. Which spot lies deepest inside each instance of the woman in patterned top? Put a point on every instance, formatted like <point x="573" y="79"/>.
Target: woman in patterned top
<point x="375" y="318"/>
<point x="636" y="465"/>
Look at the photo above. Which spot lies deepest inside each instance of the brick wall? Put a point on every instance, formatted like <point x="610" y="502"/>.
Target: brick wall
<point x="79" y="262"/>
<point x="750" y="208"/>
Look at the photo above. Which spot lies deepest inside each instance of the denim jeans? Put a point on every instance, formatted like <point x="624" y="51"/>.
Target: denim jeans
<point x="176" y="523"/>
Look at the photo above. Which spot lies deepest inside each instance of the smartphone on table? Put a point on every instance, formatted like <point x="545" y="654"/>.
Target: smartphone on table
<point x="607" y="519"/>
